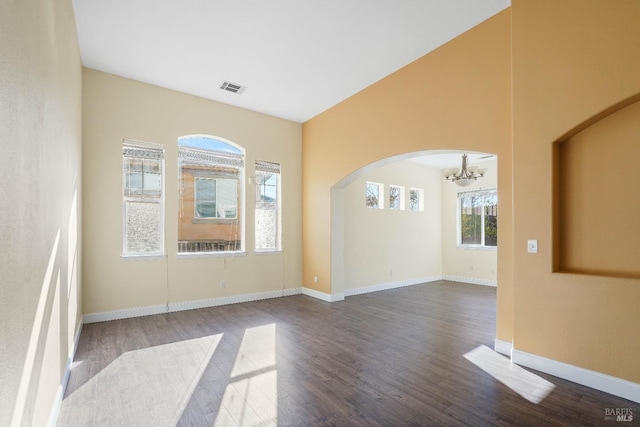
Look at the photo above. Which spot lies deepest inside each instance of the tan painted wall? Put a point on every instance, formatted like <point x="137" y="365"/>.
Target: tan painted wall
<point x="599" y="232"/>
<point x="384" y="245"/>
<point x="457" y="97"/>
<point x="571" y="61"/>
<point x="476" y="264"/>
<point x="115" y="108"/>
<point x="40" y="151"/>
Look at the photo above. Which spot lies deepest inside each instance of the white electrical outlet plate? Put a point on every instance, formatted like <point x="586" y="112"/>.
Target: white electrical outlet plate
<point x="532" y="246"/>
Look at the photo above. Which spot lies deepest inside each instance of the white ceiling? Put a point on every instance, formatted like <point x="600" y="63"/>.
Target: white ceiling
<point x="297" y="58"/>
<point x="448" y="160"/>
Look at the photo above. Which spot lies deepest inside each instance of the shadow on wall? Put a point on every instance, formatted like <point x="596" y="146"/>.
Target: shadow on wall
<point x="595" y="179"/>
<point x="53" y="329"/>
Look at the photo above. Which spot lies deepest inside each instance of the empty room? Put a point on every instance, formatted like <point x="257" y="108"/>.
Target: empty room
<point x="309" y="213"/>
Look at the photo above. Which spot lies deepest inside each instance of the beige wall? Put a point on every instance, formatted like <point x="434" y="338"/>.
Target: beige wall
<point x="40" y="151"/>
<point x="457" y="97"/>
<point x="571" y="62"/>
<point x="115" y="108"/>
<point x="384" y="245"/>
<point x="479" y="265"/>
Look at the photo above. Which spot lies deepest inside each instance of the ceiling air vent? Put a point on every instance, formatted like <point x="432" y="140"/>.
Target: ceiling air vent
<point x="232" y="87"/>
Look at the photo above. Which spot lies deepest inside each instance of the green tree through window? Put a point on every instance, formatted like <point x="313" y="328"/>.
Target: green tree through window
<point x="479" y="218"/>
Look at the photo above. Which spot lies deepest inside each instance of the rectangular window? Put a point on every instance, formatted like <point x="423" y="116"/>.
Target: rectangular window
<point x="210" y="209"/>
<point x="491" y="220"/>
<point x="396" y="197"/>
<point x="478" y="220"/>
<point x="374" y="195"/>
<point x="267" y="213"/>
<point x="142" y="199"/>
<point x="416" y="199"/>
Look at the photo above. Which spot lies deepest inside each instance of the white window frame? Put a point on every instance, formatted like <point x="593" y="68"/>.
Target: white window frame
<point x="474" y="193"/>
<point x="143" y="150"/>
<point x="380" y="186"/>
<point x="262" y="166"/>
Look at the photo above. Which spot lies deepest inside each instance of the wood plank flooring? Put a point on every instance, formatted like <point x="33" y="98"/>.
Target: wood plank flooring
<point x="390" y="358"/>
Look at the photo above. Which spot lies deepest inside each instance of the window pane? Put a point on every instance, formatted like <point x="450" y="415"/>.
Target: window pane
<point x="471" y="220"/>
<point x="227" y="198"/>
<point x="152" y="184"/>
<point x="205" y="198"/>
<point x="266" y="187"/>
<point x="415" y="194"/>
<point x="394" y="197"/>
<point x="266" y="228"/>
<point x="133" y="183"/>
<point x="373" y="195"/>
<point x="491" y="220"/>
<point x="132" y="176"/>
<point x="143" y="231"/>
<point x="266" y="212"/>
<point x="210" y="217"/>
<point x="152" y="178"/>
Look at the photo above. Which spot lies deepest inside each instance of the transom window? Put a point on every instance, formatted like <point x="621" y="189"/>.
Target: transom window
<point x="416" y="199"/>
<point x="374" y="195"/>
<point x="396" y="197"/>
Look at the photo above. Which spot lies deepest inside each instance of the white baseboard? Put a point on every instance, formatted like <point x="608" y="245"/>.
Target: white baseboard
<point x="125" y="313"/>
<point x="471" y="280"/>
<point x="186" y="305"/>
<point x="323" y="296"/>
<point x="502" y="347"/>
<point x="389" y="285"/>
<point x="608" y="384"/>
<point x="233" y="299"/>
<point x="292" y="291"/>
<point x="62" y="388"/>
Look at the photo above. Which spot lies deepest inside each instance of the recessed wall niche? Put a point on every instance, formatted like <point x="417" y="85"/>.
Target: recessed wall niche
<point x="597" y="197"/>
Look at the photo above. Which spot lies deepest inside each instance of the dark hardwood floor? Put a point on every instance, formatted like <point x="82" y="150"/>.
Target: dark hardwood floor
<point x="389" y="358"/>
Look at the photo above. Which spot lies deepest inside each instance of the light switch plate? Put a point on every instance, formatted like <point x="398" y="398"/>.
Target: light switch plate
<point x="532" y="246"/>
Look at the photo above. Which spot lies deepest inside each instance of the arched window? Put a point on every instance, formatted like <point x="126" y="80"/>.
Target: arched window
<point x="210" y="185"/>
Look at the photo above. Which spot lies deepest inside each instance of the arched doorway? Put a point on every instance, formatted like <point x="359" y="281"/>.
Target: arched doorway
<point x="382" y="249"/>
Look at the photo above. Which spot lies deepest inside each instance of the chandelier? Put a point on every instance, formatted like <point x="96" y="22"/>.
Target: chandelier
<point x="465" y="175"/>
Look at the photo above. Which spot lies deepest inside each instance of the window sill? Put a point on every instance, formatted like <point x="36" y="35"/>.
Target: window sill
<point x="143" y="257"/>
<point x="210" y="254"/>
<point x="231" y="221"/>
<point x="477" y="248"/>
<point x="268" y="252"/>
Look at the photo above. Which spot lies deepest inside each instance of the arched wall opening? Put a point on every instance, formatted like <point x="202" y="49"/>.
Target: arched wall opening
<point x="377" y="249"/>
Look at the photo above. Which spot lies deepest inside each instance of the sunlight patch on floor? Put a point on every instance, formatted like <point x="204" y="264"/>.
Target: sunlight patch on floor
<point x="528" y="385"/>
<point x="251" y="397"/>
<point x="151" y="386"/>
